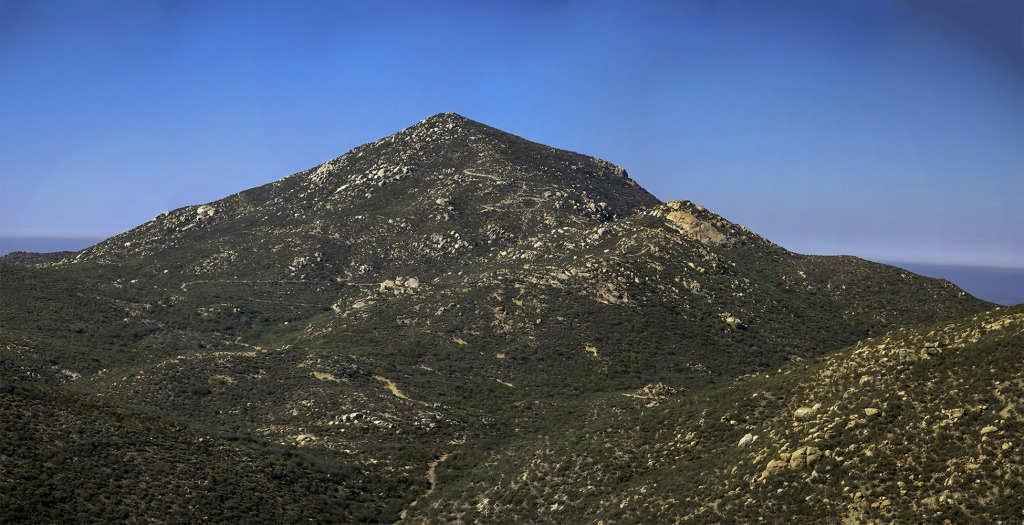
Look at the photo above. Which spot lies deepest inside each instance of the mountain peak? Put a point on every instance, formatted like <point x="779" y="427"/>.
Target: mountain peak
<point x="447" y="148"/>
<point x="446" y="116"/>
<point x="439" y="124"/>
<point x="476" y="188"/>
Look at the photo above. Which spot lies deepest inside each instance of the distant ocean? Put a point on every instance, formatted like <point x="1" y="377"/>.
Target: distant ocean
<point x="1000" y="285"/>
<point x="1003" y="286"/>
<point x="45" y="244"/>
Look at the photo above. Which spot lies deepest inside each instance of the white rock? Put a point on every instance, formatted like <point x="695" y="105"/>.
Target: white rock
<point x="806" y="412"/>
<point x="206" y="211"/>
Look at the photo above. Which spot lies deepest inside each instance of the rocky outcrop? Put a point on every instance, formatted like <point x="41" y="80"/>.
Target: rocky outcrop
<point x="804" y="457"/>
<point x="206" y="211"/>
<point x="775" y="465"/>
<point x="653" y="393"/>
<point x="695" y="228"/>
<point x="399" y="285"/>
<point x="805" y="413"/>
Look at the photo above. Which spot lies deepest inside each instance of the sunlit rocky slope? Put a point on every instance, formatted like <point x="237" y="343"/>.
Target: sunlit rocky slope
<point x="920" y="425"/>
<point x="448" y="288"/>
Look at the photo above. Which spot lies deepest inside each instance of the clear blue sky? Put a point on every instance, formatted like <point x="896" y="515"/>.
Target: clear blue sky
<point x="889" y="130"/>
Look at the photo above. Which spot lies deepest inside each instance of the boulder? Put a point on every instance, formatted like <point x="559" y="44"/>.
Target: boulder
<point x="747" y="439"/>
<point x="774" y="466"/>
<point x="804" y="457"/>
<point x="804" y="413"/>
<point x="355" y="416"/>
<point x="206" y="211"/>
<point x="735" y="323"/>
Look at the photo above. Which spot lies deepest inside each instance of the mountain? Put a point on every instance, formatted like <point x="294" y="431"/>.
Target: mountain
<point x="449" y="288"/>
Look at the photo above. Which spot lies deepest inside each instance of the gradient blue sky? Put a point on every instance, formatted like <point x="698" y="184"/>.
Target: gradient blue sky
<point x="889" y="130"/>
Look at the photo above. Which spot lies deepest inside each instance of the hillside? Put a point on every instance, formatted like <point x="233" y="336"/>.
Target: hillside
<point x="33" y="258"/>
<point x="920" y="425"/>
<point x="451" y="289"/>
<point x="68" y="458"/>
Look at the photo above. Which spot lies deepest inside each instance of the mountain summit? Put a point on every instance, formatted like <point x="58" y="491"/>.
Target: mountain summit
<point x="445" y="187"/>
<point x="448" y="291"/>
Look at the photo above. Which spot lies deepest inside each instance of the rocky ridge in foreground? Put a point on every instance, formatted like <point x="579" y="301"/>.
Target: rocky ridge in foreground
<point x="920" y="425"/>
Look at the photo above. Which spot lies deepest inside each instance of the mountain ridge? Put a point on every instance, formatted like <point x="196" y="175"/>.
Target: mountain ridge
<point x="448" y="287"/>
<point x="435" y="214"/>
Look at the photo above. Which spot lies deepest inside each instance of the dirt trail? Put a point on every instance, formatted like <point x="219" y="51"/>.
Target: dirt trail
<point x="391" y="386"/>
<point x="431" y="478"/>
<point x="475" y="174"/>
<point x="432" y="474"/>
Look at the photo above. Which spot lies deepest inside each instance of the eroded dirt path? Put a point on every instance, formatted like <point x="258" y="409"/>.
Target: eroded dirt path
<point x="391" y="386"/>
<point x="431" y="478"/>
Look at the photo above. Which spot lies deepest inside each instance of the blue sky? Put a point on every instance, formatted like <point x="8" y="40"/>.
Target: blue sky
<point x="889" y="130"/>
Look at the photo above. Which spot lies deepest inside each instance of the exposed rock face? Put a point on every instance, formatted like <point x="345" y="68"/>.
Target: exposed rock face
<point x="699" y="230"/>
<point x="701" y="225"/>
<point x="206" y="210"/>
<point x="608" y="293"/>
